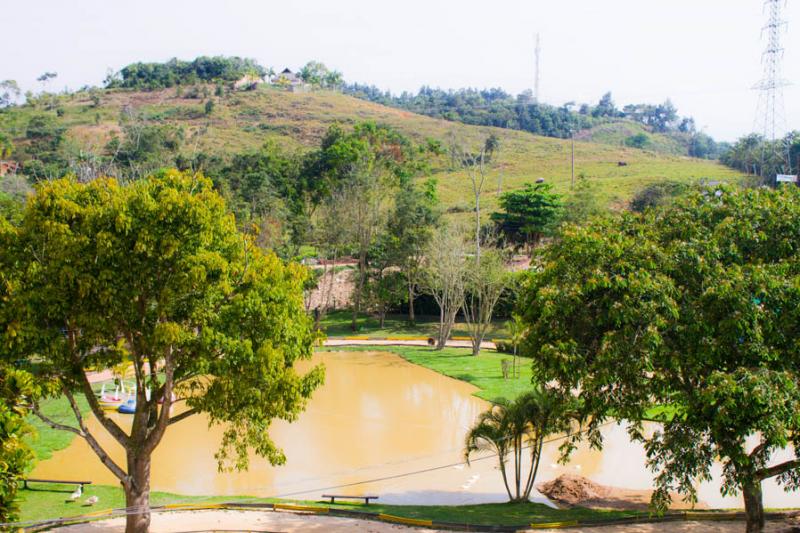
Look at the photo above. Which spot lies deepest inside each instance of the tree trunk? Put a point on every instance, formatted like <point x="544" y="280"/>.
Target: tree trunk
<point x="137" y="495"/>
<point x="476" y="345"/>
<point x="411" y="318"/>
<point x="754" y="507"/>
<point x="382" y="318"/>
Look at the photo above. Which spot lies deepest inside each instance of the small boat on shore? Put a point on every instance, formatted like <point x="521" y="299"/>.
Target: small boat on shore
<point x="110" y="401"/>
<point x="128" y="407"/>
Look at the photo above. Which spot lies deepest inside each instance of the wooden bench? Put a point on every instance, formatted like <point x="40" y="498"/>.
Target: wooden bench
<point x="346" y="497"/>
<point x="55" y="481"/>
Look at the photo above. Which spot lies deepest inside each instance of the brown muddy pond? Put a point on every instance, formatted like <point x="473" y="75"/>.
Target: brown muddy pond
<point x="377" y="418"/>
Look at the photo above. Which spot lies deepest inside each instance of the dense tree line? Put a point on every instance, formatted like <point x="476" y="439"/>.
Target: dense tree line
<point x="178" y="72"/>
<point x="496" y="107"/>
<point x="756" y="155"/>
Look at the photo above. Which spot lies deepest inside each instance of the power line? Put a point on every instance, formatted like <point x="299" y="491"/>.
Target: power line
<point x="138" y="509"/>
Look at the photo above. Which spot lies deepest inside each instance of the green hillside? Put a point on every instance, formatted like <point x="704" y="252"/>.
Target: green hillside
<point x="245" y="120"/>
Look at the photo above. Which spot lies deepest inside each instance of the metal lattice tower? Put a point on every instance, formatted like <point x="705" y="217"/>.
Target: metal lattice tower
<point x="537" y="52"/>
<point x="770" y="115"/>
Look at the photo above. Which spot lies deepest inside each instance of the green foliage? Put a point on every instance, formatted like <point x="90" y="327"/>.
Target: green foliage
<point x="156" y="272"/>
<point x="640" y="140"/>
<point x="528" y="213"/>
<point x="318" y="75"/>
<point x="16" y="392"/>
<point x="495" y="107"/>
<point x="208" y="108"/>
<point x="6" y="146"/>
<point x="512" y="427"/>
<point x="177" y="72"/>
<point x="145" y="147"/>
<point x="694" y="306"/>
<point x="755" y="155"/>
<point x="584" y="203"/>
<point x="657" y="194"/>
<point x="42" y="155"/>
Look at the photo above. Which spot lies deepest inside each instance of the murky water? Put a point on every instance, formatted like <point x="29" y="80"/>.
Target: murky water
<point x="377" y="418"/>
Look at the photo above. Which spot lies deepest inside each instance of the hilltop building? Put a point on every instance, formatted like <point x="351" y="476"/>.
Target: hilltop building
<point x="290" y="81"/>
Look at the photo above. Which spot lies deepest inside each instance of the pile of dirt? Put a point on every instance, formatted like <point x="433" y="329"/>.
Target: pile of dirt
<point x="570" y="489"/>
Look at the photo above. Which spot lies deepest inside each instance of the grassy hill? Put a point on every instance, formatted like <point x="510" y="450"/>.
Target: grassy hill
<point x="245" y="120"/>
<point x="618" y="131"/>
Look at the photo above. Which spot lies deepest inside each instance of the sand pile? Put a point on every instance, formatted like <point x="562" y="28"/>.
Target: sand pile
<point x="572" y="490"/>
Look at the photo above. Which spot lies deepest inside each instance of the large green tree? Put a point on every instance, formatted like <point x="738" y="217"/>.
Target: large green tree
<point x="694" y="308"/>
<point x="414" y="218"/>
<point x="156" y="273"/>
<point x="528" y="213"/>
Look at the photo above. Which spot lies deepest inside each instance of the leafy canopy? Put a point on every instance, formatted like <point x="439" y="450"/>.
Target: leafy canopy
<point x="696" y="308"/>
<point x="156" y="272"/>
<point x="528" y="213"/>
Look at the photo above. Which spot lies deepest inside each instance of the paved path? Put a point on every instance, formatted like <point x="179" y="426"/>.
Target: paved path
<point x="107" y="375"/>
<point x="343" y="341"/>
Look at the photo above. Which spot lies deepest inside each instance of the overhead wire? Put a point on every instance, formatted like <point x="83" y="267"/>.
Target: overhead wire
<point x="116" y="513"/>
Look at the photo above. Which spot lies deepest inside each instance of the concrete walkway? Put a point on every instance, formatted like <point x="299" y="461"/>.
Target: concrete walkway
<point x="107" y="375"/>
<point x="344" y="341"/>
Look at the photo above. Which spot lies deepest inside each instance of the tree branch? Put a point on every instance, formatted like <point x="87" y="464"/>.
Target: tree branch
<point x="53" y="424"/>
<point x="98" y="450"/>
<point x="778" y="469"/>
<point x="154" y="437"/>
<point x="183" y="416"/>
<point x="110" y="426"/>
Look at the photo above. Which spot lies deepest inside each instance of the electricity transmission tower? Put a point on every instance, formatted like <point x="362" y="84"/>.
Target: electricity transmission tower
<point x="770" y="114"/>
<point x="537" y="52"/>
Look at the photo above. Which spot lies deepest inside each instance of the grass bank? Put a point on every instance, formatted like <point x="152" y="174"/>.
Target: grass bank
<point x="483" y="371"/>
<point x="48" y="502"/>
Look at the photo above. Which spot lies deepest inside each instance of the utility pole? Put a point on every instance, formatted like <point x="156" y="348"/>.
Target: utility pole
<point x="537" y="53"/>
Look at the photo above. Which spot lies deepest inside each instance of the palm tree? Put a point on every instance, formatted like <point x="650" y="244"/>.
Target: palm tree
<point x="516" y="426"/>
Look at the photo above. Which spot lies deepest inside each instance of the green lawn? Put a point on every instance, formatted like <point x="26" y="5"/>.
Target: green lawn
<point x="48" y="501"/>
<point x="47" y="440"/>
<point x="483" y="371"/>
<point x="337" y="324"/>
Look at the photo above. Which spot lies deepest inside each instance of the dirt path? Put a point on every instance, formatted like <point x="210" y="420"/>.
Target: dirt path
<point x="262" y="521"/>
<point x="270" y="521"/>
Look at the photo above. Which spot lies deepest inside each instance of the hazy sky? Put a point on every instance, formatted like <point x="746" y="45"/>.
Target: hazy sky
<point x="703" y="54"/>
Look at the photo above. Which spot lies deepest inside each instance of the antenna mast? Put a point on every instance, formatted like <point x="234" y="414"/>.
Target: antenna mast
<point x="770" y="114"/>
<point x="537" y="53"/>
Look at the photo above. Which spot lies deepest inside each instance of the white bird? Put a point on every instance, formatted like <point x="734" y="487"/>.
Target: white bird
<point x="91" y="500"/>
<point x="77" y="494"/>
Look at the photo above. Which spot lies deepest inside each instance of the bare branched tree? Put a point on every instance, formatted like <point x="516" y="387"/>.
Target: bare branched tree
<point x="487" y="277"/>
<point x="444" y="277"/>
